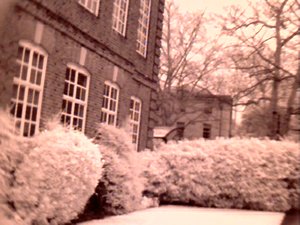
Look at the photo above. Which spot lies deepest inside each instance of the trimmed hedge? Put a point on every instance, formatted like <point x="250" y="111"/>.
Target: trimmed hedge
<point x="226" y="173"/>
<point x="120" y="189"/>
<point x="49" y="177"/>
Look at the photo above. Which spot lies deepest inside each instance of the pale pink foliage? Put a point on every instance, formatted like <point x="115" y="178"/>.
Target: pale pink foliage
<point x="226" y="173"/>
<point x="49" y="177"/>
<point x="122" y="179"/>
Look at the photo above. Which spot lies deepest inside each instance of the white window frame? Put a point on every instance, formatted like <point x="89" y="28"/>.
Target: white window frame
<point x="89" y="7"/>
<point x="73" y="100"/>
<point x="119" y="24"/>
<point x="107" y="98"/>
<point x="29" y="86"/>
<point x="134" y="111"/>
<point x="142" y="37"/>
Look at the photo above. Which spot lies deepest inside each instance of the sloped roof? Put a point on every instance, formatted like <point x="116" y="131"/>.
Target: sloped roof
<point x="160" y="132"/>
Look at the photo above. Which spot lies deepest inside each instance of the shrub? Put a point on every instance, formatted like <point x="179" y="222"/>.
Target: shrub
<point x="120" y="190"/>
<point x="234" y="173"/>
<point x="13" y="149"/>
<point x="47" y="178"/>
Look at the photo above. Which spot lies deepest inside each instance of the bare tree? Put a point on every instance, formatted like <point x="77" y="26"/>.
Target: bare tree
<point x="187" y="57"/>
<point x="266" y="49"/>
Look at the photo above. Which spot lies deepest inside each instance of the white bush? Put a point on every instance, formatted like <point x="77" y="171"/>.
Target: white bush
<point x="232" y="173"/>
<point x="120" y="190"/>
<point x="46" y="179"/>
<point x="12" y="151"/>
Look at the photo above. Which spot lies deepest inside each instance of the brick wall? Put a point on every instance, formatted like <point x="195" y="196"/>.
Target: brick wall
<point x="67" y="28"/>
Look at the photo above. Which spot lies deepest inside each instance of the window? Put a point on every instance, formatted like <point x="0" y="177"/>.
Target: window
<point x="135" y="118"/>
<point x="120" y="16"/>
<point x="74" y="104"/>
<point x="28" y="87"/>
<point x="91" y="5"/>
<point x="110" y="104"/>
<point x="143" y="27"/>
<point x="206" y="131"/>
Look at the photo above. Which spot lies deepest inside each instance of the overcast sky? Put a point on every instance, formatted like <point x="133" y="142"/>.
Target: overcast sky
<point x="211" y="6"/>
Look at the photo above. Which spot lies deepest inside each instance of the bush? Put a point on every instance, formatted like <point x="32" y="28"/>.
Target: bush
<point x="50" y="179"/>
<point x="120" y="190"/>
<point x="234" y="173"/>
<point x="13" y="149"/>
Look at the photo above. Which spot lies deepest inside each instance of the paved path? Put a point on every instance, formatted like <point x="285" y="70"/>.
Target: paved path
<point x="180" y="215"/>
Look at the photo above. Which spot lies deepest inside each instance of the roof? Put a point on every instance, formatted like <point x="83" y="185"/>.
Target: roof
<point x="161" y="132"/>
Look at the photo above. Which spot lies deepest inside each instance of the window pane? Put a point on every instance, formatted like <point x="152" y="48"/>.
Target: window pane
<point x="137" y="106"/>
<point x="78" y="93"/>
<point x="38" y="78"/>
<point x="26" y="57"/>
<point x="82" y="80"/>
<point x="71" y="90"/>
<point x="103" y="117"/>
<point x="41" y="62"/>
<point x="112" y="106"/>
<point x="75" y="122"/>
<point x="26" y="130"/>
<point x="67" y="120"/>
<point x="69" y="107"/>
<point x="111" y="119"/>
<point x="32" y="76"/>
<point x="76" y="109"/>
<point x="80" y="124"/>
<point x="136" y="116"/>
<point x="105" y="103"/>
<point x="34" y="113"/>
<point x="24" y="73"/>
<point x="30" y="96"/>
<point x="21" y="93"/>
<point x="19" y="110"/>
<point x="131" y="104"/>
<point x="72" y="77"/>
<point x="32" y="130"/>
<point x="28" y="113"/>
<point x="81" y="108"/>
<point x="82" y="94"/>
<point x="36" y="97"/>
<point x="34" y="59"/>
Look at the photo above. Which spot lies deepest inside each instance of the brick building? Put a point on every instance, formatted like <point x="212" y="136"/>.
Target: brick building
<point x="197" y="115"/>
<point x="90" y="60"/>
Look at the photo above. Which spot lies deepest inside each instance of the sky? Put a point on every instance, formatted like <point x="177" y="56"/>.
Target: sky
<point x="211" y="6"/>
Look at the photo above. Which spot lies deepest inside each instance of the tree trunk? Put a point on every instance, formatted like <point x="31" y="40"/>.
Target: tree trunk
<point x="291" y="101"/>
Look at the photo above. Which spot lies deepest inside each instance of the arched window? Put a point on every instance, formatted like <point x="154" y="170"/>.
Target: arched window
<point x="110" y="102"/>
<point x="135" y="119"/>
<point x="28" y="85"/>
<point x="75" y="97"/>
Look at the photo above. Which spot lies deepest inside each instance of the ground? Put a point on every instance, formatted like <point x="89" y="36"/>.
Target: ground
<point x="181" y="215"/>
